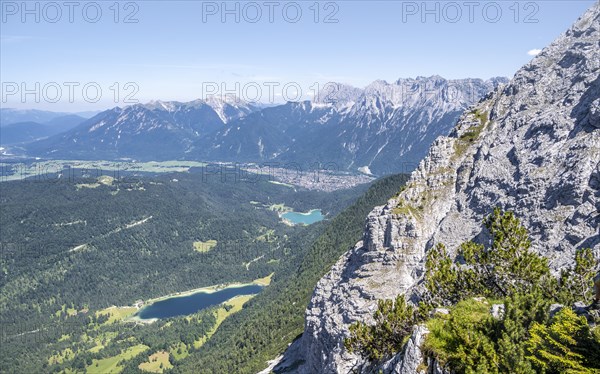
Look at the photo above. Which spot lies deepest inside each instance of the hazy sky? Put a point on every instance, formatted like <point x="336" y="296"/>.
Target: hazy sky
<point x="182" y="50"/>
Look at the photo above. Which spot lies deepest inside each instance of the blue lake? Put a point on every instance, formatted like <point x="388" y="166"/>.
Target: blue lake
<point x="185" y="305"/>
<point x="296" y="218"/>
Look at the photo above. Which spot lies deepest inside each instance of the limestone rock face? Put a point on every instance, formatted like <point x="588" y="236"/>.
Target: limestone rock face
<point x="532" y="147"/>
<point x="411" y="360"/>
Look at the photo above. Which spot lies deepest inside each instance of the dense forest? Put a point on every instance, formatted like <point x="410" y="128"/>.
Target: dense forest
<point x="71" y="249"/>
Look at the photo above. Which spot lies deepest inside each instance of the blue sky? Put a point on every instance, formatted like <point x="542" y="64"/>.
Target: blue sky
<point x="177" y="50"/>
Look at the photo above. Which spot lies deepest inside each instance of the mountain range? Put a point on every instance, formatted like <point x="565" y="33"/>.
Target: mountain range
<point x="384" y="128"/>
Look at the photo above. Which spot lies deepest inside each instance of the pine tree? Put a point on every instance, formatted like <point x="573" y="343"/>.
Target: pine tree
<point x="576" y="282"/>
<point x="393" y="324"/>
<point x="564" y="346"/>
<point x="508" y="265"/>
<point x="442" y="278"/>
<point x="520" y="312"/>
<point x="463" y="339"/>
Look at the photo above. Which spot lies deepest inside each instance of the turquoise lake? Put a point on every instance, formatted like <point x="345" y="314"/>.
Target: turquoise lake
<point x="311" y="217"/>
<point x="186" y="305"/>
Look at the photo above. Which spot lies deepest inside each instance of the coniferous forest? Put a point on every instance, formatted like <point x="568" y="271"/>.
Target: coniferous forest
<point x="91" y="245"/>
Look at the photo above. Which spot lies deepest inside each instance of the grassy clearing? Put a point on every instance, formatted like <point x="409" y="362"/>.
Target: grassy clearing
<point x="264" y="281"/>
<point x="96" y="167"/>
<point x="103" y="180"/>
<point x="106" y="180"/>
<point x="266" y="236"/>
<point x="110" y="365"/>
<point x="472" y="134"/>
<point x="167" y="166"/>
<point x="483" y="117"/>
<point x="466" y="139"/>
<point x="235" y="305"/>
<point x="179" y="351"/>
<point x="64" y="355"/>
<point x="102" y="340"/>
<point x="408" y="210"/>
<point x="96" y="348"/>
<point x="116" y="313"/>
<point x="87" y="185"/>
<point x="157" y="362"/>
<point x="71" y="312"/>
<point x="204" y="247"/>
<point x="280" y="208"/>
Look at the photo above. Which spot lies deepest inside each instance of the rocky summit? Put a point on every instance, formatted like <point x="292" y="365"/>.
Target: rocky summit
<point x="532" y="146"/>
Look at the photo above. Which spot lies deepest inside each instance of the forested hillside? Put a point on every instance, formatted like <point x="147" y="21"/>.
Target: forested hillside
<point x="70" y="249"/>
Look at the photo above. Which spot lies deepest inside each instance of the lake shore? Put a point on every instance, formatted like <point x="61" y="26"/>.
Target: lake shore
<point x="263" y="282"/>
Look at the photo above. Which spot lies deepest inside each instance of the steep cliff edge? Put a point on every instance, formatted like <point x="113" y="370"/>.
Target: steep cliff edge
<point x="532" y="146"/>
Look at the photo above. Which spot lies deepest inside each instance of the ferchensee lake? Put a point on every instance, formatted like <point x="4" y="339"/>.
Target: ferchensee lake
<point x="189" y="304"/>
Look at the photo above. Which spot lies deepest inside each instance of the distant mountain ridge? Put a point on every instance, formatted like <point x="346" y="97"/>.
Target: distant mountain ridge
<point x="28" y="131"/>
<point x="157" y="130"/>
<point x="9" y="116"/>
<point x="384" y="128"/>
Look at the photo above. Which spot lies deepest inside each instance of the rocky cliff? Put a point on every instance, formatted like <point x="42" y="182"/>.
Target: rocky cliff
<point x="532" y="146"/>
